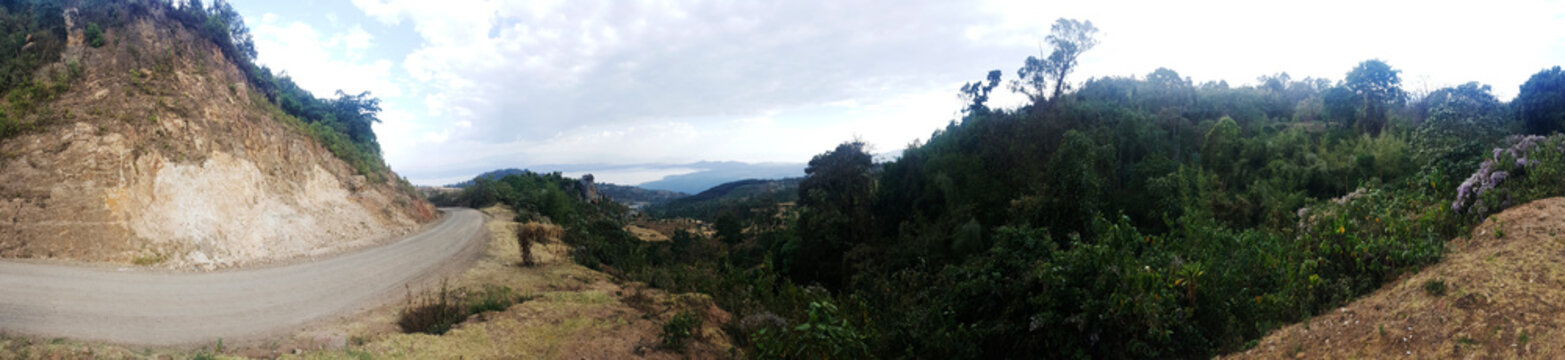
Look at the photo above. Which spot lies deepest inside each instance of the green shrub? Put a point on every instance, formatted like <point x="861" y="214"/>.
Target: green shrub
<point x="74" y="69"/>
<point x="822" y="336"/>
<point x="94" y="35"/>
<point x="1434" y="287"/>
<point x="493" y="298"/>
<point x="7" y="126"/>
<point x="678" y="331"/>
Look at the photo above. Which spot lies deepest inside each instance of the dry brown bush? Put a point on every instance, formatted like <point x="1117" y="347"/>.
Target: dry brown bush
<point x="534" y="233"/>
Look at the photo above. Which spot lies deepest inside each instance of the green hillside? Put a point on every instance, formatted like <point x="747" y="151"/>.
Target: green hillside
<point x="1129" y="217"/>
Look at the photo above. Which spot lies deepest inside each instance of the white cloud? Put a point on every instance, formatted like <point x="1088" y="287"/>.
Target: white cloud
<point x="505" y="84"/>
<point x="320" y="63"/>
<point x="356" y="40"/>
<point x="537" y="69"/>
<point x="1494" y="42"/>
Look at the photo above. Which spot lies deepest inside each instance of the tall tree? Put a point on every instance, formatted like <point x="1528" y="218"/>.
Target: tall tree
<point x="1070" y="38"/>
<point x="977" y="93"/>
<point x="1541" y="102"/>
<point x="836" y="196"/>
<point x="1031" y="80"/>
<point x="1376" y="86"/>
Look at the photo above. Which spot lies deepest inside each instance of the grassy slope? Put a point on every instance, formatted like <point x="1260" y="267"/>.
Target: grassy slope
<point x="577" y="313"/>
<point x="1504" y="287"/>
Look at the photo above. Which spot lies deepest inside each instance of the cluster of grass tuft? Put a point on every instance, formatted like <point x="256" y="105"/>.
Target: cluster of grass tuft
<point x="436" y="312"/>
<point x="1434" y="287"/>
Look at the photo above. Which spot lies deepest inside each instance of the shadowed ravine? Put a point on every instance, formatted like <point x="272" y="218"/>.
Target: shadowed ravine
<point x="163" y="308"/>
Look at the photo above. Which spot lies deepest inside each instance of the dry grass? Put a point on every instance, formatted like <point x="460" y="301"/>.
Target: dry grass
<point x="575" y="312"/>
<point x="664" y="229"/>
<point x="646" y="234"/>
<point x="1502" y="298"/>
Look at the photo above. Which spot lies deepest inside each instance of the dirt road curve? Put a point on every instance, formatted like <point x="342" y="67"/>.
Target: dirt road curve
<point x="160" y="308"/>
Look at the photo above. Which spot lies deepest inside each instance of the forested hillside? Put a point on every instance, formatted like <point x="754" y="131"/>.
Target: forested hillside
<point x="1127" y="217"/>
<point x="724" y="199"/>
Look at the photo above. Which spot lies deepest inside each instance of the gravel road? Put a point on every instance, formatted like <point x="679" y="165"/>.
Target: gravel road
<point x="146" y="307"/>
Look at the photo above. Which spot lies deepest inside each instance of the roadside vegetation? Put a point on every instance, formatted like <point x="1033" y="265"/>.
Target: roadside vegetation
<point x="434" y="312"/>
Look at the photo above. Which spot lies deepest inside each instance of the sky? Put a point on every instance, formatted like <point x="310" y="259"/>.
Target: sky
<point x="469" y="86"/>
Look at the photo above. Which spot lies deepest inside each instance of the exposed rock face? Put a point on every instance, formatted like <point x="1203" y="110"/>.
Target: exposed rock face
<point x="161" y="153"/>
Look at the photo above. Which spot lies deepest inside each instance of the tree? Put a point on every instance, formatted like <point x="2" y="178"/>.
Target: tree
<point x="1168" y="90"/>
<point x="357" y="113"/>
<point x="1376" y="86"/>
<point x="1275" y="83"/>
<point x="836" y="200"/>
<point x="977" y="93"/>
<point x="1031" y="80"/>
<point x="729" y="228"/>
<point x="1467" y="101"/>
<point x="1220" y="150"/>
<point x="1462" y="124"/>
<point x="1541" y="102"/>
<point x="1337" y="104"/>
<point x="1075" y="185"/>
<point x="1070" y="38"/>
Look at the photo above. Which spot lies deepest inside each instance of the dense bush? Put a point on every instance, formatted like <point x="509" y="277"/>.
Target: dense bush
<point x="1527" y="168"/>
<point x="821" y="336"/>
<point x="679" y="330"/>
<point x="94" y="35"/>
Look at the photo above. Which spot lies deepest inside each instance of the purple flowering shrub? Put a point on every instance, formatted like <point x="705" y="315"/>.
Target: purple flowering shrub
<point x="1482" y="193"/>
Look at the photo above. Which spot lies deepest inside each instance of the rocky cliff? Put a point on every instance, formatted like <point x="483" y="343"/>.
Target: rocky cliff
<point x="156" y="150"/>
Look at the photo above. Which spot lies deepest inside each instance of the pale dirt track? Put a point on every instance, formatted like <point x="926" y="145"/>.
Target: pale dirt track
<point x="163" y="308"/>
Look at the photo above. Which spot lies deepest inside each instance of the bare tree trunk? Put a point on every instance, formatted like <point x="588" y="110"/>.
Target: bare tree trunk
<point x="1059" y="83"/>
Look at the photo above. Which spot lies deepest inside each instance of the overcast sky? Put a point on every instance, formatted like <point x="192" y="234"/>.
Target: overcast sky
<point x="469" y="86"/>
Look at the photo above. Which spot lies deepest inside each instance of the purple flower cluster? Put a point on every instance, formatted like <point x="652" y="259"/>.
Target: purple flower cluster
<point x="1469" y="195"/>
<point x="1519" y="146"/>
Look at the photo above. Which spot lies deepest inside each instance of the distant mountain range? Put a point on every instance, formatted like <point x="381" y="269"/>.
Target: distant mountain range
<point x="714" y="173"/>
<point x="712" y="179"/>
<point x="691" y="178"/>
